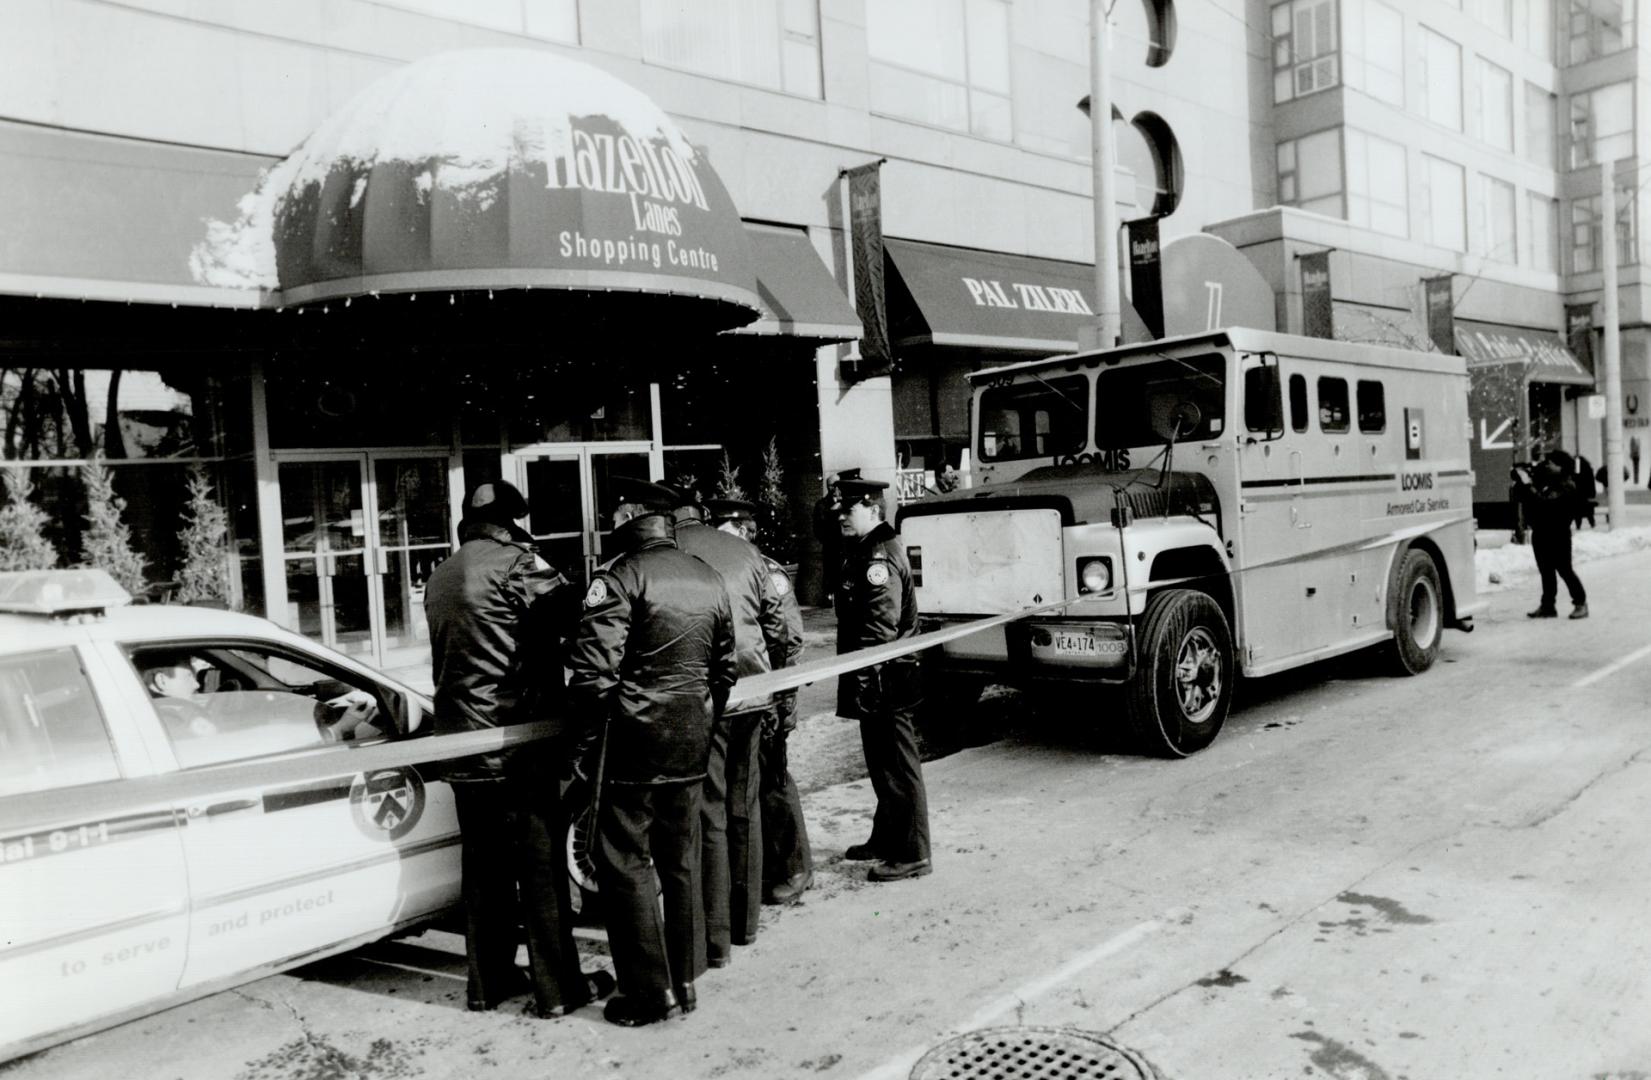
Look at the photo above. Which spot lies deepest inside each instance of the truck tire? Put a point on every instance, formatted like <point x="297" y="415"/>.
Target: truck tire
<point x="1183" y="687"/>
<point x="1415" y="613"/>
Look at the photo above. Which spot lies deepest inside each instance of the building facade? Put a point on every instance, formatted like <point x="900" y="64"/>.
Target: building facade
<point x="1415" y="138"/>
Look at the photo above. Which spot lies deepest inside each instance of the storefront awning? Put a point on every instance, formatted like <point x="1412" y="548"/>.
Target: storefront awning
<point x="799" y="297"/>
<point x="483" y="169"/>
<point x="985" y="300"/>
<point x="1545" y="355"/>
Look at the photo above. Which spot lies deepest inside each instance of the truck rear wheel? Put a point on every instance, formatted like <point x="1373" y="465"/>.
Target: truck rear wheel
<point x="1416" y="614"/>
<point x="1179" y="697"/>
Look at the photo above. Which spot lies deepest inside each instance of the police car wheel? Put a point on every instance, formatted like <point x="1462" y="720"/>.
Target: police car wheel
<point x="1415" y="613"/>
<point x="1182" y="690"/>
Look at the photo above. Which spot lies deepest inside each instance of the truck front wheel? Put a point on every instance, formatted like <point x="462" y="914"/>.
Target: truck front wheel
<point x="1182" y="689"/>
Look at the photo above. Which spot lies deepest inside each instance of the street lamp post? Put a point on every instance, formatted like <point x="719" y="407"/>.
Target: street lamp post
<point x="1108" y="317"/>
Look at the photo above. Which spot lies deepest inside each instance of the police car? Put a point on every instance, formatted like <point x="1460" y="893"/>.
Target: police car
<point x="192" y="799"/>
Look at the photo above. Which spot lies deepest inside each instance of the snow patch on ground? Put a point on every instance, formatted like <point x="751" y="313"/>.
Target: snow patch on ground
<point x="1499" y="564"/>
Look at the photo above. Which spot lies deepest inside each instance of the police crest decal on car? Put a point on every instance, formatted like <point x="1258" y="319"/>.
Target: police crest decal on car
<point x="597" y="593"/>
<point x="386" y="804"/>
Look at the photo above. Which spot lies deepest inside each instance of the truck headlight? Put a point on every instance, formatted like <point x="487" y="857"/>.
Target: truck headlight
<point x="1094" y="575"/>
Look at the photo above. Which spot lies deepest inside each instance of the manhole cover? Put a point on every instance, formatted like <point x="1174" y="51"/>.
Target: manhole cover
<point x="1029" y="1053"/>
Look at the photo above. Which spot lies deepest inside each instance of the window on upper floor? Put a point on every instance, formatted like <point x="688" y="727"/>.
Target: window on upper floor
<point x="1602" y="125"/>
<point x="1441" y="79"/>
<point x="1534" y="22"/>
<point x="1495" y="105"/>
<point x="1375" y="50"/>
<point x="756" y="42"/>
<point x="1496" y="14"/>
<point x="1596" y="28"/>
<point x="1542" y="231"/>
<point x="1497" y="212"/>
<point x="1376" y="187"/>
<point x="1588" y="231"/>
<point x="942" y="62"/>
<point x="1309" y="173"/>
<point x="553" y="20"/>
<point x="1541" y="112"/>
<point x="1444" y="204"/>
<point x="1304" y="48"/>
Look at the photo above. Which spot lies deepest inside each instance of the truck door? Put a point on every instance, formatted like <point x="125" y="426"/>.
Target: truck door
<point x="1272" y="515"/>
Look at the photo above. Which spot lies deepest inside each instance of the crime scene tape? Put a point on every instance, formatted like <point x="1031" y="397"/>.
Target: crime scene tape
<point x="340" y="762"/>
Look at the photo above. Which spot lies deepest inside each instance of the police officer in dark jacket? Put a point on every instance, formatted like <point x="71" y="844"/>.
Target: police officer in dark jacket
<point x="497" y="613"/>
<point x="787" y="863"/>
<point x="651" y="665"/>
<point x="1547" y="491"/>
<point x="876" y="604"/>
<point x="730" y="814"/>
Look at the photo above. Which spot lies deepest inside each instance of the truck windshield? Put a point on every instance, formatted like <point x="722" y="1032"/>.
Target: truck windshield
<point x="1040" y="418"/>
<point x="1133" y="403"/>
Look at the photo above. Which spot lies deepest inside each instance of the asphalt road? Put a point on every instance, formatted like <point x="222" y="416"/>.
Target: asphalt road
<point x="1364" y="878"/>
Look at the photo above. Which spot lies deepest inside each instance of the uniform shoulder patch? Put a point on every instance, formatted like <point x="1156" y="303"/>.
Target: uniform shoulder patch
<point x="878" y="573"/>
<point x="597" y="593"/>
<point x="781" y="583"/>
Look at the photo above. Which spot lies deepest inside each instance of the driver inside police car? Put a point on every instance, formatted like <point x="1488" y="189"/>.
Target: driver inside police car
<point x="170" y="680"/>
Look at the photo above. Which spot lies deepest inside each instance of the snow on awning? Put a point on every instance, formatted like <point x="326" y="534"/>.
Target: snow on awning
<point x="490" y="169"/>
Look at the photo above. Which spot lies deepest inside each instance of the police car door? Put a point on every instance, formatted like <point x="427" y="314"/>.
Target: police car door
<point x="279" y="870"/>
<point x="94" y="898"/>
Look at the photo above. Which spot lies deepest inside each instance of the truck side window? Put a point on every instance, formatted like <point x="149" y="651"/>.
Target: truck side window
<point x="52" y="733"/>
<point x="1333" y="405"/>
<point x="1372" y="401"/>
<point x="1262" y="411"/>
<point x="1298" y="403"/>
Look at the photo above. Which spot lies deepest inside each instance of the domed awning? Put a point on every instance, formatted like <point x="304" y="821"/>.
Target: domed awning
<point x="491" y="169"/>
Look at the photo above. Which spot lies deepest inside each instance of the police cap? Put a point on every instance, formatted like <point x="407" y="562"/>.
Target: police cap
<point x="496" y="501"/>
<point x="658" y="497"/>
<point x="854" y="489"/>
<point x="721" y="510"/>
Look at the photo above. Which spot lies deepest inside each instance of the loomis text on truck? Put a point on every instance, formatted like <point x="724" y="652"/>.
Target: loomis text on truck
<point x="1230" y="504"/>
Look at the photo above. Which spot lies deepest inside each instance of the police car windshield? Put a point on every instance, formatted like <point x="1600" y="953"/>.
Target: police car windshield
<point x="1133" y="402"/>
<point x="1041" y="418"/>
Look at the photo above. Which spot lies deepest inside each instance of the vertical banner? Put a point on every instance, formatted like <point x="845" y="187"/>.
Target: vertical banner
<point x="1579" y="333"/>
<point x="1439" y="300"/>
<point x="1146" y="284"/>
<point x="1317" y="316"/>
<point x="865" y="199"/>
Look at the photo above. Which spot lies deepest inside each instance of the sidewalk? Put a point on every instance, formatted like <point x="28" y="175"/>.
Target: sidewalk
<point x="1500" y="564"/>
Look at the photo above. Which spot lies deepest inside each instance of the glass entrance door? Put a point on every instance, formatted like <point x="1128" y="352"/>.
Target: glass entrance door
<point x="569" y="492"/>
<point x="360" y="534"/>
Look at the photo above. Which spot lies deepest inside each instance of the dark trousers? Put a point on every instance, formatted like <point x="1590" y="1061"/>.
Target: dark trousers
<point x="1552" y="548"/>
<point x="638" y="822"/>
<point x="513" y="832"/>
<point x="900" y="828"/>
<point x="730" y="864"/>
<point x="785" y="851"/>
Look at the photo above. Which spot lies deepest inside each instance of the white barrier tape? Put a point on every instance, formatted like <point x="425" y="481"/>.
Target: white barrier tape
<point x="343" y="761"/>
<point x="773" y="682"/>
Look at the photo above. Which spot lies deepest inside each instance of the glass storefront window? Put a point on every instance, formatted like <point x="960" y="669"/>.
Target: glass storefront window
<point x="313" y="405"/>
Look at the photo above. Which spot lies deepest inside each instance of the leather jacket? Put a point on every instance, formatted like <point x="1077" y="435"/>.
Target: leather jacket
<point x="785" y="702"/>
<point x="497" y="613"/>
<point x="876" y="603"/>
<point x="761" y="634"/>
<point x="653" y="658"/>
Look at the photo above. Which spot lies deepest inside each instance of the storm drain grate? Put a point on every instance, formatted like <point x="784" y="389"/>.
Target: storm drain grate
<point x="1029" y="1053"/>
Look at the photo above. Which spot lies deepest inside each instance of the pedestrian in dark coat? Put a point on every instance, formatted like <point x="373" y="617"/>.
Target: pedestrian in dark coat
<point x="787" y="862"/>
<point x="1548" y="495"/>
<point x="497" y="613"/>
<point x="876" y="604"/>
<point x="731" y="811"/>
<point x="651" y="665"/>
<point x="1587" y="492"/>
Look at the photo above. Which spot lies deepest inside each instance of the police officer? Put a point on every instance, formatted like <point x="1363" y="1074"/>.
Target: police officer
<point x="731" y="815"/>
<point x="877" y="603"/>
<point x="497" y="613"/>
<point x="828" y="532"/>
<point x="787" y="862"/>
<point x="651" y="665"/>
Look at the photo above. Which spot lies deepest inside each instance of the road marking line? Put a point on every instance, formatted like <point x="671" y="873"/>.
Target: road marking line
<point x="1612" y="668"/>
<point x="900" y="1066"/>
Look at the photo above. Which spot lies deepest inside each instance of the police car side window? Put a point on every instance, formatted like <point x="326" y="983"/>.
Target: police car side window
<point x="52" y="733"/>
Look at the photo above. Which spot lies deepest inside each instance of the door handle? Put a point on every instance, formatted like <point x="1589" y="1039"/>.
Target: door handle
<point x="229" y="807"/>
<point x="381" y="561"/>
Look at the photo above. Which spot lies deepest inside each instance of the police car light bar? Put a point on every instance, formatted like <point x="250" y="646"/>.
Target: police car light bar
<point x="60" y="592"/>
